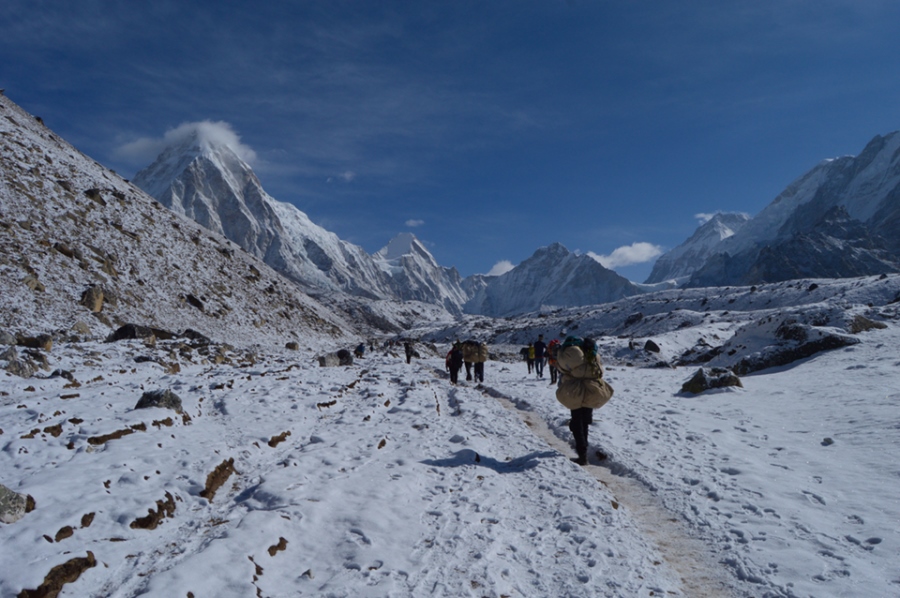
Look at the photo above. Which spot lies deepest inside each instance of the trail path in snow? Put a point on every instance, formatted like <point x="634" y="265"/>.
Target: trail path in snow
<point x="701" y="575"/>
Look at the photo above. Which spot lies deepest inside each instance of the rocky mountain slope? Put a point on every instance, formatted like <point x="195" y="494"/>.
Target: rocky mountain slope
<point x="840" y="219"/>
<point x="82" y="246"/>
<point x="679" y="263"/>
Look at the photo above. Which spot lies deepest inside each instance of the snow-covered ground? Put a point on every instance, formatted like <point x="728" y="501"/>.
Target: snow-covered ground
<point x="389" y="481"/>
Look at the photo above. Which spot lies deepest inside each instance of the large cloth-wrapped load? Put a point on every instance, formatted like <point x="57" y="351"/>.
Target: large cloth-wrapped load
<point x="475" y="352"/>
<point x="581" y="382"/>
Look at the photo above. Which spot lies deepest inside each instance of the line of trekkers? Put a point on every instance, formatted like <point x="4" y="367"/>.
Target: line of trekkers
<point x="471" y="354"/>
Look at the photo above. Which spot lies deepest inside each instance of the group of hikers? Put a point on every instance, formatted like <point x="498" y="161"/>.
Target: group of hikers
<point x="574" y="367"/>
<point x="471" y="354"/>
<point x="538" y="354"/>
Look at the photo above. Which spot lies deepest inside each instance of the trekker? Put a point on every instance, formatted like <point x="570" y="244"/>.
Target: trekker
<point x="454" y="361"/>
<point x="540" y="348"/>
<point x="581" y="388"/>
<point x="408" y="349"/>
<point x="552" y="350"/>
<point x="470" y="352"/>
<point x="359" y="350"/>
<point x="481" y="356"/>
<point x="530" y="358"/>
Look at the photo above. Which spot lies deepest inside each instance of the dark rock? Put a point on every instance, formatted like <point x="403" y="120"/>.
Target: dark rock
<point x="160" y="398"/>
<point x="341" y="357"/>
<point x="708" y="378"/>
<point x="133" y="331"/>
<point x="63" y="374"/>
<point x="43" y="342"/>
<point x="651" y="347"/>
<point x="197" y="337"/>
<point x="633" y="319"/>
<point x="293" y="346"/>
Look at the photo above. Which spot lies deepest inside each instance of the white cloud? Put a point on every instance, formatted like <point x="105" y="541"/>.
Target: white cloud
<point x="627" y="255"/>
<point x="704" y="218"/>
<point x="411" y="223"/>
<point x="501" y="267"/>
<point x="144" y="150"/>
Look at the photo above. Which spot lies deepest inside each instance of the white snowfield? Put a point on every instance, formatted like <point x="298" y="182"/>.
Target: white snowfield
<point x="382" y="479"/>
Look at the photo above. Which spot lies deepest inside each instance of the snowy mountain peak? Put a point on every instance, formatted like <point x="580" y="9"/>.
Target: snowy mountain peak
<point x="682" y="261"/>
<point x="404" y="244"/>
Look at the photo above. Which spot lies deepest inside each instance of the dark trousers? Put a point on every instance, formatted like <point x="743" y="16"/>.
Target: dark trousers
<point x="581" y="419"/>
<point x="539" y="366"/>
<point x="454" y="374"/>
<point x="553" y="372"/>
<point x="479" y="371"/>
<point x="530" y="365"/>
<point x="468" y="365"/>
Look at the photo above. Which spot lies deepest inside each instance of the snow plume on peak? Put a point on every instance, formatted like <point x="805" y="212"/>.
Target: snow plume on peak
<point x="627" y="255"/>
<point x="500" y="268"/>
<point x="203" y="135"/>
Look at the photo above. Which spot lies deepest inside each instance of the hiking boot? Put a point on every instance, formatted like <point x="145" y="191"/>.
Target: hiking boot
<point x="581" y="459"/>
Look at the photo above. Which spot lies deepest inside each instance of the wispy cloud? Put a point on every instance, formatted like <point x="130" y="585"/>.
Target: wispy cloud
<point x="412" y="223"/>
<point x="501" y="267"/>
<point x="628" y="255"/>
<point x="142" y="151"/>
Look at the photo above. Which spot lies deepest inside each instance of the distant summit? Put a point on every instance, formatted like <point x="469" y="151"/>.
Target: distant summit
<point x="552" y="277"/>
<point x="206" y="180"/>
<point x="841" y="219"/>
<point x="682" y="261"/>
<point x="416" y="275"/>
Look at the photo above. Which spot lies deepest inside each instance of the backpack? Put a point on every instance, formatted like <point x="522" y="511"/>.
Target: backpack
<point x="572" y="341"/>
<point x="553" y="349"/>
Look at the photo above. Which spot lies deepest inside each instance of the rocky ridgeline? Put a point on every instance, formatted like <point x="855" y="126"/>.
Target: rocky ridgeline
<point x="79" y="245"/>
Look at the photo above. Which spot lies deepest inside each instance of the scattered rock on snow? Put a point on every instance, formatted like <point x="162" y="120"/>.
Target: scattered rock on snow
<point x="14" y="506"/>
<point x="92" y="298"/>
<point x="341" y="357"/>
<point x="41" y="341"/>
<point x="160" y="398"/>
<point x="133" y="331"/>
<point x="6" y="338"/>
<point x="651" y="347"/>
<point x="707" y="378"/>
<point x="861" y="324"/>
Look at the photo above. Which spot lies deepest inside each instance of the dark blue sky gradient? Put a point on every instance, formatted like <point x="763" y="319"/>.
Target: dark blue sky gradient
<point x="503" y="125"/>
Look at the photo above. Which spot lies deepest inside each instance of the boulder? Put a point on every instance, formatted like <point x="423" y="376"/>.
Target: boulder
<point x="292" y="345"/>
<point x="165" y="399"/>
<point x="44" y="342"/>
<point x="20" y="368"/>
<point x="341" y="357"/>
<point x="198" y="338"/>
<point x="7" y="338"/>
<point x="81" y="328"/>
<point x="13" y="505"/>
<point x="707" y="378"/>
<point x="651" y="347"/>
<point x="92" y="298"/>
<point x="31" y="281"/>
<point x="133" y="331"/>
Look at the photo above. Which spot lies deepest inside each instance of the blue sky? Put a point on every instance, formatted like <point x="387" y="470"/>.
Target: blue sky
<point x="488" y="128"/>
